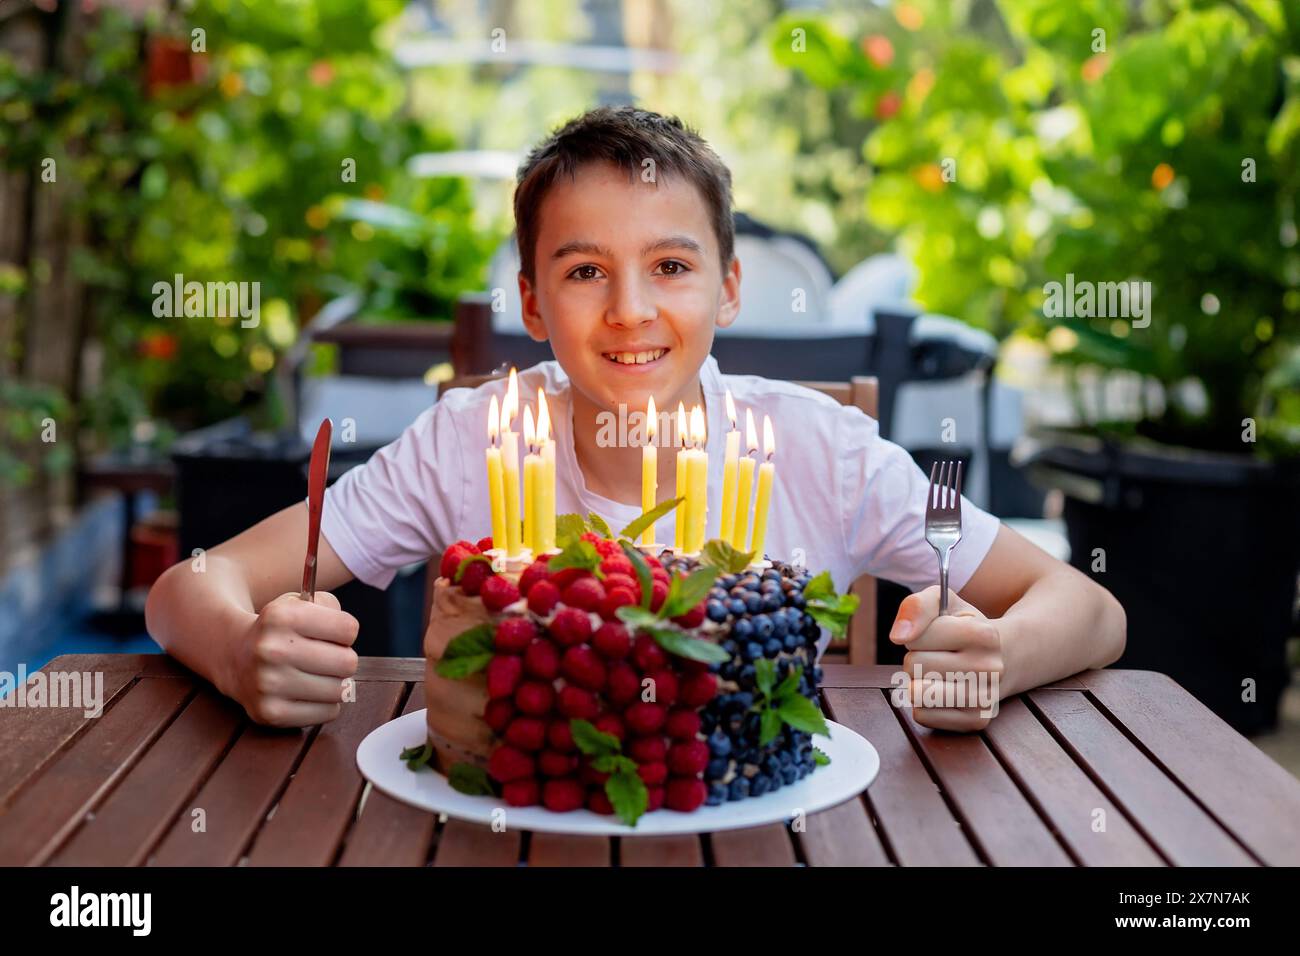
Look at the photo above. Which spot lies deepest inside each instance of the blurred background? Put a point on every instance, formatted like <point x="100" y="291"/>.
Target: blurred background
<point x="911" y="180"/>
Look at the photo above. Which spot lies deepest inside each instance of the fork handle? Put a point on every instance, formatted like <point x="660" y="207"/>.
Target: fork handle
<point x="943" y="580"/>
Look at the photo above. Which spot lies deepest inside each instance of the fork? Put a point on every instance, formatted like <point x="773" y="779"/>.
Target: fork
<point x="943" y="519"/>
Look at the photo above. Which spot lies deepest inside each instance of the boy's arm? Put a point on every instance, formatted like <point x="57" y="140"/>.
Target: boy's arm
<point x="240" y="623"/>
<point x="1023" y="615"/>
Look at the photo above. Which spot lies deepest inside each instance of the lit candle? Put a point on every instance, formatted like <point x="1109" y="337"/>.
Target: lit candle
<point x="496" y="479"/>
<point x="649" y="470"/>
<point x="679" y="516"/>
<point x="544" y="530"/>
<point x="745" y="483"/>
<point x="766" y="474"/>
<point x="697" y="484"/>
<point x="510" y="466"/>
<point x="728" y="516"/>
<point x="532" y="465"/>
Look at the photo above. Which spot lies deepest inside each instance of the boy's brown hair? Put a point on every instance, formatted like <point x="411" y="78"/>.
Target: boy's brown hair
<point x="627" y="137"/>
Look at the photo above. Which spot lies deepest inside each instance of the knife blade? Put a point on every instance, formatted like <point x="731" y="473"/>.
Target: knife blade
<point x="316" y="476"/>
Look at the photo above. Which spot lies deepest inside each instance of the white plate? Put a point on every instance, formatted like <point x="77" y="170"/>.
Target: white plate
<point x="854" y="764"/>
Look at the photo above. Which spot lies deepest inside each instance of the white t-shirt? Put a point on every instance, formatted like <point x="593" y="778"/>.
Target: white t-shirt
<point x="852" y="501"/>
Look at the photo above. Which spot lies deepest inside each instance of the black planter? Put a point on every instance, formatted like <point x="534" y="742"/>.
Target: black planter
<point x="1201" y="550"/>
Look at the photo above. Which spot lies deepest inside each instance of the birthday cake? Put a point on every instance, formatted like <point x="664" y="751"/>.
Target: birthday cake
<point x="607" y="677"/>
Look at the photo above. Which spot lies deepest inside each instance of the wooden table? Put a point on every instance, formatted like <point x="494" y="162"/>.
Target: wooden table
<point x="1108" y="768"/>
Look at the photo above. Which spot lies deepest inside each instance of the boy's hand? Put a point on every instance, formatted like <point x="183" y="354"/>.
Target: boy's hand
<point x="288" y="667"/>
<point x="957" y="654"/>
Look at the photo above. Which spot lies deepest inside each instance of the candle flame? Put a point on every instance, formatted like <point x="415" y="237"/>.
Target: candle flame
<point x="650" y="416"/>
<point x="543" y="419"/>
<point x="510" y="407"/>
<point x="683" y="438"/>
<point x="751" y="433"/>
<point x="731" y="410"/>
<point x="697" y="427"/>
<point x="530" y="434"/>
<point x="769" y="439"/>
<point x="494" y="414"/>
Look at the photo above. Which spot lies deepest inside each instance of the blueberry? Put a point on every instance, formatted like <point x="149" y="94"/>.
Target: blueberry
<point x="776" y="784"/>
<point x="780" y="626"/>
<point x="728" y="580"/>
<point x="772" y="648"/>
<point x="715" y="611"/>
<point x="752" y="652"/>
<point x="730" y="646"/>
<point x="736" y="592"/>
<point x="818" y="674"/>
<point x="742" y="628"/>
<point x="749" y="582"/>
<point x="792" y="642"/>
<point x="771" y="764"/>
<point x="717" y="768"/>
<point x="797" y="600"/>
<point x="719" y="744"/>
<point x="737" y="607"/>
<point x="707" y="722"/>
<point x="735" y="722"/>
<point x="717" y="794"/>
<point x="739" y="789"/>
<point x="753" y="602"/>
<point x="769" y="587"/>
<point x="771" y="601"/>
<point x="727" y="671"/>
<point x="771" y="574"/>
<point x="762" y="627"/>
<point x="743" y="699"/>
<point x="790" y="773"/>
<point x="785" y="757"/>
<point x="759" y="784"/>
<point x="804" y="769"/>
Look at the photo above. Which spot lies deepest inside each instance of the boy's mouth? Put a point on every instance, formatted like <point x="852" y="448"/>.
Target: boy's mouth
<point x="639" y="357"/>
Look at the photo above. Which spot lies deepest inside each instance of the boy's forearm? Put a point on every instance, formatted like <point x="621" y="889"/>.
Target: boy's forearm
<point x="1062" y="625"/>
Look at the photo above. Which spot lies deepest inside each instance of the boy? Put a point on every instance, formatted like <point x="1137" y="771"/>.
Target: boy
<point x="627" y="275"/>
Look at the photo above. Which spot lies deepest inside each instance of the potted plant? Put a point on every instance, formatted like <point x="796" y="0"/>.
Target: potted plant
<point x="1121" y="181"/>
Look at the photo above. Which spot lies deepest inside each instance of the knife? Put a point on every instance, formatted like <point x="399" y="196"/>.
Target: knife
<point x="316" y="475"/>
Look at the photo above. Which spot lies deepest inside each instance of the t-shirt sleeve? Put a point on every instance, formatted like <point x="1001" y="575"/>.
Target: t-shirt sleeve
<point x="401" y="506"/>
<point x="883" y="495"/>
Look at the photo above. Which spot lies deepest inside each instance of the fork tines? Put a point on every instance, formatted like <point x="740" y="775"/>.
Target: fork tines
<point x="945" y="488"/>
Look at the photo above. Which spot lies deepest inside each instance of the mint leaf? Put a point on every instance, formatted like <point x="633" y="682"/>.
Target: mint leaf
<point x="466" y="562"/>
<point x="467" y="778"/>
<point x="686" y="592"/>
<point x="577" y="554"/>
<point x="769" y="726"/>
<point x="467" y="653"/>
<point x="417" y="757"/>
<point x="613" y="763"/>
<point x="646" y="519"/>
<point x="834" y="614"/>
<point x="628" y="795"/>
<point x="642" y="569"/>
<point x="693" y="648"/>
<point x="820" y="758"/>
<point x="568" y="529"/>
<point x="765" y="675"/>
<point x="592" y="741"/>
<point x="724" y="557"/>
<point x="788" y="687"/>
<point x="638" y="617"/>
<point x="598" y="525"/>
<point x="802" y="714"/>
<point x="819" y="587"/>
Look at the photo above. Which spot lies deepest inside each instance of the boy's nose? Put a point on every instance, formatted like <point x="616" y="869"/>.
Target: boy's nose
<point x="631" y="305"/>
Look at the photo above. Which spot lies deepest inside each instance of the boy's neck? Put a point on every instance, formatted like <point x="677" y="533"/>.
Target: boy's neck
<point x="614" y="471"/>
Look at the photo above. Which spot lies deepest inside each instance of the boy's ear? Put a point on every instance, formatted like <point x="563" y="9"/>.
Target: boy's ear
<point x="729" y="302"/>
<point x="533" y="323"/>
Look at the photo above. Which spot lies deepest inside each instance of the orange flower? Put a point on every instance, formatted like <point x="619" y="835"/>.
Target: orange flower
<point x="1162" y="176"/>
<point x="888" y="104"/>
<point x="908" y="16"/>
<point x="232" y="84"/>
<point x="158" y="345"/>
<point x="878" y="50"/>
<point x="930" y="177"/>
<point x="321" y="73"/>
<point x="1094" y="67"/>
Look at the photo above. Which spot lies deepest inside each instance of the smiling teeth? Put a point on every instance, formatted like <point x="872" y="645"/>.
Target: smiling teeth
<point x="634" y="358"/>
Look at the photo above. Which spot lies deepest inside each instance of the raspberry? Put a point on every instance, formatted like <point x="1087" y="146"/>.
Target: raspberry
<point x="514" y="634"/>
<point x="652" y="774"/>
<point x="682" y="724"/>
<point x="698" y="689"/>
<point x="648" y="749"/>
<point x="652" y="560"/>
<point x="658" y="592"/>
<point x="687" y="758"/>
<point x="570" y="626"/>
<point x="503" y="675"/>
<point x="563" y="796"/>
<point x="622" y="683"/>
<point x="583" y="667"/>
<point x="685" y="794"/>
<point x="610" y="724"/>
<point x="475" y="577"/>
<point x="498" y="592"/>
<point x="664" y="687"/>
<point x="559" y="734"/>
<point x="521" y="793"/>
<point x="655" y="799"/>
<point x="507" y="763"/>
<point x="616" y="598"/>
<point x="552" y="763"/>
<point x="643" y="718"/>
<point x="592" y="537"/>
<point x="692" y="618"/>
<point x="589" y="775"/>
<point x="542" y="659"/>
<point x="648" y="655"/>
<point x="452" y="557"/>
<point x="612" y="641"/>
<point x="535" y="698"/>
<point x="586" y="593"/>
<point x="498" y="713"/>
<point x="484" y="544"/>
<point x="566" y="576"/>
<point x="532" y="574"/>
<point x="607" y="548"/>
<point x="597" y="802"/>
<point x="526" y="733"/>
<point x="542" y="597"/>
<point x="576" y="702"/>
<point x="617" y="564"/>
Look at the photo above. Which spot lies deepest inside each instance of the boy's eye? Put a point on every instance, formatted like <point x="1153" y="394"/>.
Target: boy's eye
<point x="585" y="272"/>
<point x="673" y="267"/>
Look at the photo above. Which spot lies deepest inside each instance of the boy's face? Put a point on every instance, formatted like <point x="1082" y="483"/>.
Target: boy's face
<point x="623" y="268"/>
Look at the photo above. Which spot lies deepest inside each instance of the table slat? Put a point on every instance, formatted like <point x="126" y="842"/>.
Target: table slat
<point x="1064" y="794"/>
<point x="473" y="844"/>
<point x="314" y="812"/>
<point x="559" y="849"/>
<point x="767" y="845"/>
<point x="138" y="812"/>
<point x="56" y="801"/>
<point x="911" y="812"/>
<point x="1250" y="794"/>
<point x="682" y="850"/>
<point x="843" y="836"/>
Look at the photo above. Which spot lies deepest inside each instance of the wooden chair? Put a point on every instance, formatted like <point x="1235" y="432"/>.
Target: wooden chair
<point x="860" y="391"/>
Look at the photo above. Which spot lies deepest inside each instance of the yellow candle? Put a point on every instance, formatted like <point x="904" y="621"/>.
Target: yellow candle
<point x="679" y="491"/>
<point x="496" y="479"/>
<point x="649" y="471"/>
<point x="697" y="484"/>
<point x="544" y="530"/>
<point x="532" y="464"/>
<point x="766" y="475"/>
<point x="728" y="515"/>
<point x="510" y="466"/>
<point x="745" y="484"/>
